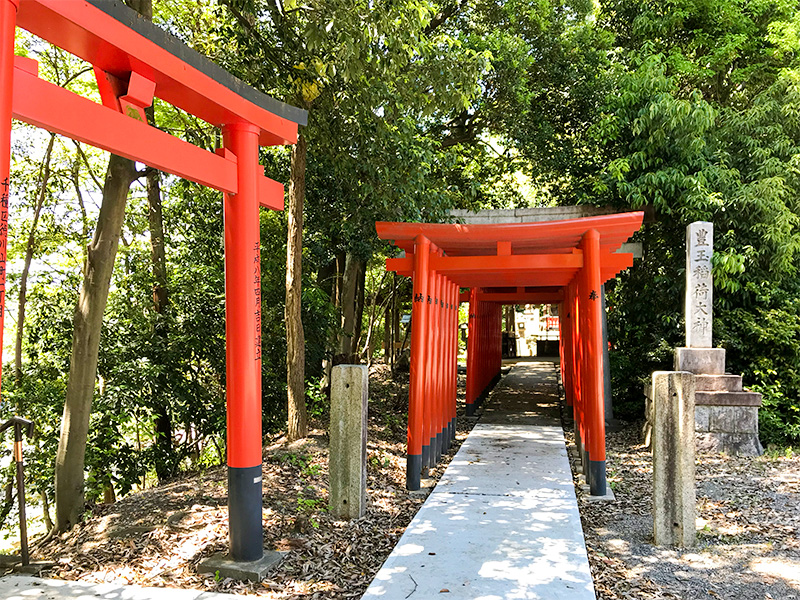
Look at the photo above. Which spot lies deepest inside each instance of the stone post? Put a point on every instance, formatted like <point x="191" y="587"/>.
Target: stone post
<point x="673" y="458"/>
<point x="699" y="287"/>
<point x="347" y="463"/>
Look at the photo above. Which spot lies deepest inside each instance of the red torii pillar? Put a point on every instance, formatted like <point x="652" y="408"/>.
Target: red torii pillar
<point x="419" y="338"/>
<point x="84" y="27"/>
<point x="593" y="398"/>
<point x="8" y="19"/>
<point x="243" y="346"/>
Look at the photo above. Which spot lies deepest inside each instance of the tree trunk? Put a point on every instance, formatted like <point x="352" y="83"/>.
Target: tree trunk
<point x="375" y="308"/>
<point x="358" y="315"/>
<point x="344" y="348"/>
<point x="333" y="339"/>
<point x="44" y="177"/>
<point x="165" y="463"/>
<point x="88" y="321"/>
<point x="48" y="521"/>
<point x="295" y="338"/>
<point x="387" y="334"/>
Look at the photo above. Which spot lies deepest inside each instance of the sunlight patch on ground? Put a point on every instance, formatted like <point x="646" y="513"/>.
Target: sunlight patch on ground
<point x="784" y="568"/>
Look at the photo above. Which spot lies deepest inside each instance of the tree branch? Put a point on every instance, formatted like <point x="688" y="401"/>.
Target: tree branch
<point x="442" y="16"/>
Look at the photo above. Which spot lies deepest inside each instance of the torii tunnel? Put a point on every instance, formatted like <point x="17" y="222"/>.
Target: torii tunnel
<point x="557" y="262"/>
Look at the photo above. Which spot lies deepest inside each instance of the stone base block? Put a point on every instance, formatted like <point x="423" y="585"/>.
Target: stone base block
<point x="726" y="419"/>
<point x="700" y="361"/>
<point x="241" y="571"/>
<point x="735" y="444"/>
<point x="718" y="383"/>
<point x="752" y="399"/>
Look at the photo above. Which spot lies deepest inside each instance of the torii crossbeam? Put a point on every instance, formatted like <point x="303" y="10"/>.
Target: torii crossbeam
<point x="557" y="262"/>
<point x="135" y="61"/>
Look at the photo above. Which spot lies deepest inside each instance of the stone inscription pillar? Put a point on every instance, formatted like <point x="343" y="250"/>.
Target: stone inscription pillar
<point x="699" y="288"/>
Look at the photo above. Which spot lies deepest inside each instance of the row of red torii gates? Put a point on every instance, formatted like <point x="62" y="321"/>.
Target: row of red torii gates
<point x="558" y="262"/>
<point x="135" y="62"/>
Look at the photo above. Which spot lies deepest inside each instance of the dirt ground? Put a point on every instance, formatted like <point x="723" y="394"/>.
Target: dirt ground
<point x="157" y="537"/>
<point x="748" y="541"/>
<point x="748" y="508"/>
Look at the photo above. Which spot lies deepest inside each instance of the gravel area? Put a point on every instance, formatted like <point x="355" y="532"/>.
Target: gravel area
<point x="748" y="520"/>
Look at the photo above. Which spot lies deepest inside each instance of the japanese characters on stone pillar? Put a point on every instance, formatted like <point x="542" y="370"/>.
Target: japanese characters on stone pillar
<point x="699" y="249"/>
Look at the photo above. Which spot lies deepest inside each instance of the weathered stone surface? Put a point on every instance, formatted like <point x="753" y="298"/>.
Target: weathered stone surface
<point x="743" y="444"/>
<point x="531" y="215"/>
<point x="733" y="419"/>
<point x="710" y="442"/>
<point x="699" y="286"/>
<point x="700" y="361"/>
<point x="701" y="418"/>
<point x="728" y="398"/>
<point x="721" y="419"/>
<point x="673" y="442"/>
<point x="224" y="566"/>
<point x="737" y="444"/>
<point x="718" y="383"/>
<point x="746" y="419"/>
<point x="348" y="441"/>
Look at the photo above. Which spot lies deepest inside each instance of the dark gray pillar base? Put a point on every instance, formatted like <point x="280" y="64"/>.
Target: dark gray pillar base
<point x="597" y="477"/>
<point x="471" y="408"/>
<point x="426" y="457"/>
<point x="255" y="570"/>
<point x="413" y="471"/>
<point x="244" y="513"/>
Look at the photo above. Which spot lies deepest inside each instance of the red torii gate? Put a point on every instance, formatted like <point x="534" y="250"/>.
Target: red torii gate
<point x="562" y="262"/>
<point x="135" y="61"/>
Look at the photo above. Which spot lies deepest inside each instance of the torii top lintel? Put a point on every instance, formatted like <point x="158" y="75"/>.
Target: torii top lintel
<point x="533" y="255"/>
<point x="119" y="41"/>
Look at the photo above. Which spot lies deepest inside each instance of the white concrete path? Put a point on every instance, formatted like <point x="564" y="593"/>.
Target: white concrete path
<point x="503" y="522"/>
<point x="22" y="587"/>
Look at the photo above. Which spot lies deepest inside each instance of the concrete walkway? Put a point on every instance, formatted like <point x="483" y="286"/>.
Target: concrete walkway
<point x="503" y="522"/>
<point x="22" y="587"/>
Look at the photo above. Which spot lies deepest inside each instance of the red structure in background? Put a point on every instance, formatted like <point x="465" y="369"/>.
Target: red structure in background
<point x="559" y="262"/>
<point x="134" y="61"/>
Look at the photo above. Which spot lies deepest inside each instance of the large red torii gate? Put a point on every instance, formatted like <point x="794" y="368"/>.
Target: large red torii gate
<point x="563" y="262"/>
<point x="135" y="61"/>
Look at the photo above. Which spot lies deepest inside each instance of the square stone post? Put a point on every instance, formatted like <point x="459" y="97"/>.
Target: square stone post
<point x="673" y="458"/>
<point x="347" y="462"/>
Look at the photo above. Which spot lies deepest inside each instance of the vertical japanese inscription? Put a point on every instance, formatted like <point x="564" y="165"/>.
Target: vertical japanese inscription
<point x="3" y="242"/>
<point x="699" y="284"/>
<point x="257" y="290"/>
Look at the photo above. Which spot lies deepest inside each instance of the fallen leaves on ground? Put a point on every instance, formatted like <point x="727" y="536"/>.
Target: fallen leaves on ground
<point x="748" y="528"/>
<point x="157" y="537"/>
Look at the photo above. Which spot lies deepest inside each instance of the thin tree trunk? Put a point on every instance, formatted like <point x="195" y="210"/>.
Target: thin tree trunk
<point x="387" y="333"/>
<point x="44" y="177"/>
<point x="358" y="316"/>
<point x="88" y="321"/>
<point x="333" y="339"/>
<point x="76" y="182"/>
<point x="165" y="464"/>
<point x="375" y="303"/>
<point x="48" y="521"/>
<point x="348" y="307"/>
<point x="295" y="338"/>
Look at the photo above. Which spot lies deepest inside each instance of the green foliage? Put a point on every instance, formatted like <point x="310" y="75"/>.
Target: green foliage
<point x="703" y="126"/>
<point x="690" y="107"/>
